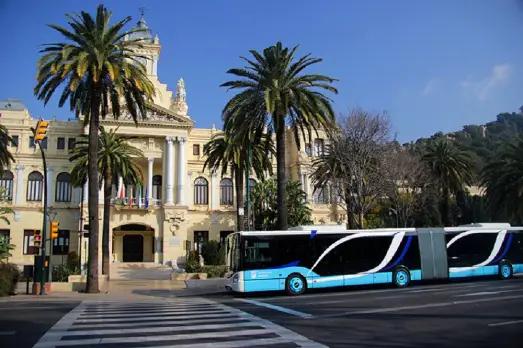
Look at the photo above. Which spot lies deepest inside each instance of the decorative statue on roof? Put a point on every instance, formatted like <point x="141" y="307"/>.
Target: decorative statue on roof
<point x="180" y="90"/>
<point x="180" y="101"/>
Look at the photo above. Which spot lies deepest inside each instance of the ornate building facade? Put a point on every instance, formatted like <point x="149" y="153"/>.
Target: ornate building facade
<point x="179" y="206"/>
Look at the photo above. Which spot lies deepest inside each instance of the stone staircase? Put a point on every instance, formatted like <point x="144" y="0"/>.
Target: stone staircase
<point x="140" y="270"/>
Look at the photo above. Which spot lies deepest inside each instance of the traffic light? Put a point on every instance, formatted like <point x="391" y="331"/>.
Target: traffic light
<point x="54" y="229"/>
<point x="41" y="130"/>
<point x="37" y="239"/>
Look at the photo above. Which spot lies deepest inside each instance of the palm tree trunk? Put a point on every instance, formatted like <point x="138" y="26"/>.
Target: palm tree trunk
<point x="281" y="200"/>
<point x="238" y="177"/>
<point x="92" y="174"/>
<point x="108" y="190"/>
<point x="445" y="206"/>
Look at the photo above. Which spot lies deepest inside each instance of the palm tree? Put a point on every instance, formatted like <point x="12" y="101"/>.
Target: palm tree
<point x="224" y="152"/>
<point x="503" y="180"/>
<point x="100" y="72"/>
<point x="274" y="93"/>
<point x="116" y="158"/>
<point x="451" y="168"/>
<point x="5" y="155"/>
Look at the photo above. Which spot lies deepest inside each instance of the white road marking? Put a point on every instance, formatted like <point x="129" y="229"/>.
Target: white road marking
<point x="506" y="323"/>
<point x="7" y="333"/>
<point x="483" y="293"/>
<point x="429" y="305"/>
<point x="231" y="328"/>
<point x="218" y="319"/>
<point x="278" y="308"/>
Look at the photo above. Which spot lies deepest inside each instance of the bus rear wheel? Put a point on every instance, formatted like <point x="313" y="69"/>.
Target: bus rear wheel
<point x="505" y="270"/>
<point x="295" y="284"/>
<point x="401" y="277"/>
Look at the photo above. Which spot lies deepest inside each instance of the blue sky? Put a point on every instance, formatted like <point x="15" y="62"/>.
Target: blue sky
<point x="431" y="65"/>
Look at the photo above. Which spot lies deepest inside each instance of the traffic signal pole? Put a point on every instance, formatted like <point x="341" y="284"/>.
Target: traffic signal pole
<point x="44" y="223"/>
<point x="40" y="133"/>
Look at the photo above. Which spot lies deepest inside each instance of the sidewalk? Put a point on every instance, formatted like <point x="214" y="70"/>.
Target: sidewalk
<point x="133" y="290"/>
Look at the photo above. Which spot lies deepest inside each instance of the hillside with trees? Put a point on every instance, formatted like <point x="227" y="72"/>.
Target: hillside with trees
<point x="482" y="141"/>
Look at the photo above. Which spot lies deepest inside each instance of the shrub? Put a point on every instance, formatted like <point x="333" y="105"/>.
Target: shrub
<point x="192" y="264"/>
<point x="8" y="278"/>
<point x="214" y="271"/>
<point x="61" y="273"/>
<point x="5" y="248"/>
<point x="73" y="260"/>
<point x="213" y="254"/>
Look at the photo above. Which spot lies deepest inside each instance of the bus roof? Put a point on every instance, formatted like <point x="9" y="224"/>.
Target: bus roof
<point x="489" y="228"/>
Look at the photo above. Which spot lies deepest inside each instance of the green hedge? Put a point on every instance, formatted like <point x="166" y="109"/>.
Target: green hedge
<point x="213" y="253"/>
<point x="9" y="275"/>
<point x="214" y="271"/>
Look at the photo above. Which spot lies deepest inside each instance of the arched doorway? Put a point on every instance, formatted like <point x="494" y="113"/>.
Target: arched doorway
<point x="133" y="243"/>
<point x="132" y="248"/>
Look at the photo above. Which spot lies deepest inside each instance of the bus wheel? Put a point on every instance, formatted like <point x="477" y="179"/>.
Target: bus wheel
<point x="295" y="284"/>
<point x="505" y="270"/>
<point x="401" y="277"/>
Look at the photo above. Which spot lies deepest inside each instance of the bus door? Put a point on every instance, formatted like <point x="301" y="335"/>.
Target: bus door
<point x="433" y="253"/>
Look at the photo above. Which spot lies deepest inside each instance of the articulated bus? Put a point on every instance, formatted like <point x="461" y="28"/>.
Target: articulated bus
<point x="295" y="261"/>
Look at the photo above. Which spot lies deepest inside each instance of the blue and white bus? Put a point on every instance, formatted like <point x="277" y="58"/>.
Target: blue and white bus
<point x="295" y="261"/>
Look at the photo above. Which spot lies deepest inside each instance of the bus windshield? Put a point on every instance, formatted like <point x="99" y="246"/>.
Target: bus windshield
<point x="233" y="252"/>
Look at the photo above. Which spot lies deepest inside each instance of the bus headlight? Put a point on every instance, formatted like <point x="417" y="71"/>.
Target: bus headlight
<point x="236" y="278"/>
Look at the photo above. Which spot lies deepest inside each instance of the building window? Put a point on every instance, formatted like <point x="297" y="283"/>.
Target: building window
<point x="200" y="238"/>
<point x="60" y="143"/>
<point x="319" y="147"/>
<point x="223" y="237"/>
<point x="61" y="244"/>
<point x="226" y="192"/>
<point x="196" y="150"/>
<point x="6" y="185"/>
<point x="4" y="234"/>
<point x="34" y="186"/>
<point x="201" y="191"/>
<point x="71" y="142"/>
<point x="32" y="142"/>
<point x="29" y="248"/>
<point x="308" y="149"/>
<point x="157" y="187"/>
<point x="63" y="187"/>
<point x="321" y="195"/>
<point x="14" y="141"/>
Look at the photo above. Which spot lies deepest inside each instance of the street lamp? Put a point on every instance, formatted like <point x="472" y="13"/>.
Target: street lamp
<point x="391" y="211"/>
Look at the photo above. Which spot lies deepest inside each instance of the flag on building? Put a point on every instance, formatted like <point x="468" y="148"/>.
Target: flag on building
<point x="146" y="199"/>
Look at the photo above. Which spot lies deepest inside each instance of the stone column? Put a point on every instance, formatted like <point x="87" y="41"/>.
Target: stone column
<point x="169" y="163"/>
<point x="306" y="186"/>
<point x="180" y="194"/>
<point x="189" y="192"/>
<point x="51" y="179"/>
<point x="120" y="185"/>
<point x="215" y="192"/>
<point x="19" y="193"/>
<point x="150" y="163"/>
<point x="86" y="191"/>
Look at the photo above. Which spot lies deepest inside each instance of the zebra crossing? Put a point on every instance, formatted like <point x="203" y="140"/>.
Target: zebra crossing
<point x="188" y="322"/>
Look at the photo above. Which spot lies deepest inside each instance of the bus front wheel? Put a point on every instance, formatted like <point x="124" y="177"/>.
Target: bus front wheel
<point x="295" y="284"/>
<point x="505" y="270"/>
<point x="401" y="277"/>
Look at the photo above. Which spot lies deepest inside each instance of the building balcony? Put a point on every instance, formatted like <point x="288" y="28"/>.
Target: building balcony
<point x="138" y="203"/>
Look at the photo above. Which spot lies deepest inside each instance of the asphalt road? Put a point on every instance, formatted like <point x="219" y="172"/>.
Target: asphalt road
<point x="479" y="313"/>
<point x="23" y="322"/>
